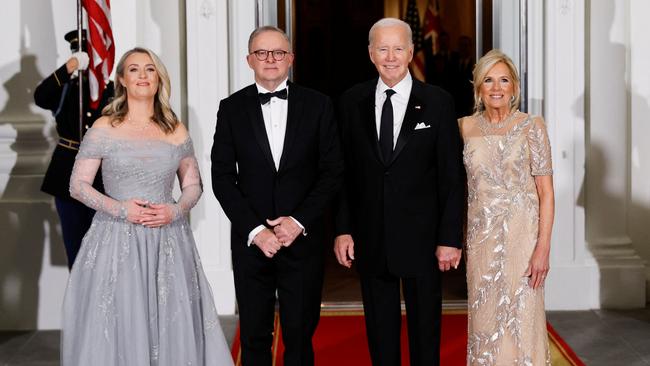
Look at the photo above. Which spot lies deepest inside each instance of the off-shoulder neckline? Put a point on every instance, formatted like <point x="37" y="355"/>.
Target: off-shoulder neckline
<point x="187" y="139"/>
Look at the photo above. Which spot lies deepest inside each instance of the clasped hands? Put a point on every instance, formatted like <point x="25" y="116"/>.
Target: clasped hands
<point x="147" y="214"/>
<point x="285" y="231"/>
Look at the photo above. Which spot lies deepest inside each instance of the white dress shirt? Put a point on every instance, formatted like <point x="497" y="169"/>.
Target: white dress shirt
<point x="399" y="100"/>
<point x="275" y="122"/>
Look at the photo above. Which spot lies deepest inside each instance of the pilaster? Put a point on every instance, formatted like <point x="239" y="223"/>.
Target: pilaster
<point x="573" y="280"/>
<point x="639" y="54"/>
<point x="622" y="271"/>
<point x="208" y="67"/>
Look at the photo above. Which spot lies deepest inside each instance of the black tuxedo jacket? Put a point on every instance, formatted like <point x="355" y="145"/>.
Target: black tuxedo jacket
<point x="244" y="177"/>
<point x="398" y="211"/>
<point x="60" y="94"/>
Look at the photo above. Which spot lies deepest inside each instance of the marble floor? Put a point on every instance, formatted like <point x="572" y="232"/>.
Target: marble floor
<point x="606" y="337"/>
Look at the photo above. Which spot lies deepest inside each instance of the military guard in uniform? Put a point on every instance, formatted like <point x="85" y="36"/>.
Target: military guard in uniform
<point x="59" y="93"/>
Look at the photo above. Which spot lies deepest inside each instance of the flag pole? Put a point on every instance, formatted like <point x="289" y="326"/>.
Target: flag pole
<point x="79" y="71"/>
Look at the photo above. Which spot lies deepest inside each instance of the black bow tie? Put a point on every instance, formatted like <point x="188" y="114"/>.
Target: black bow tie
<point x="265" y="97"/>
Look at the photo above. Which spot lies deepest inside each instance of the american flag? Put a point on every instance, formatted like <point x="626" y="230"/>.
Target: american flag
<point x="431" y="26"/>
<point x="101" y="47"/>
<point x="413" y="19"/>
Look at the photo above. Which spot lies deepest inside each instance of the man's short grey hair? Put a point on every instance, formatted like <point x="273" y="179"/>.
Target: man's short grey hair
<point x="390" y="22"/>
<point x="266" y="28"/>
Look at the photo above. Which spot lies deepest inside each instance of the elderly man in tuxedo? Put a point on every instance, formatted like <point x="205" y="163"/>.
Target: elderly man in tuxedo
<point x="400" y="212"/>
<point x="276" y="165"/>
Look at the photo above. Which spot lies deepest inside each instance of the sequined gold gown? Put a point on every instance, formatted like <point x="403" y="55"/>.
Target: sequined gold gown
<point x="507" y="324"/>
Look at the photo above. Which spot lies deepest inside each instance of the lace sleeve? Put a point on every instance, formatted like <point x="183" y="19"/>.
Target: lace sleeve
<point x="540" y="148"/>
<point x="89" y="158"/>
<point x="189" y="178"/>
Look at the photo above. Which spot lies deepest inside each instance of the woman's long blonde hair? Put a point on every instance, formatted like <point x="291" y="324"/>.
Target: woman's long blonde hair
<point x="163" y="115"/>
<point x="481" y="69"/>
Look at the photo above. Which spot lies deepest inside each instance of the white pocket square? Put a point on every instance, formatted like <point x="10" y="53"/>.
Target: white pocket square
<point x="421" y="126"/>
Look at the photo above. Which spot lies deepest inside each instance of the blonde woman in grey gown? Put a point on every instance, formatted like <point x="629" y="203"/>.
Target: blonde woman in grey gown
<point x="507" y="157"/>
<point x="137" y="294"/>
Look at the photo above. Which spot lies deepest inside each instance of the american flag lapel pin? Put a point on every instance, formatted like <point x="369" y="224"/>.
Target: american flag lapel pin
<point x="418" y="107"/>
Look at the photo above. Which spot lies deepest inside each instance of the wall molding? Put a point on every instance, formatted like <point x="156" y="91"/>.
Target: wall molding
<point x="208" y="79"/>
<point x="573" y="268"/>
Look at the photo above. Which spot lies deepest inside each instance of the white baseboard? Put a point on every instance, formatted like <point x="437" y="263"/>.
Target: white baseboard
<point x="573" y="287"/>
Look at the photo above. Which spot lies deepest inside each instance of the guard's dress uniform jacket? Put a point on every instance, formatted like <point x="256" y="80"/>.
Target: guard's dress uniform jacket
<point x="59" y="93"/>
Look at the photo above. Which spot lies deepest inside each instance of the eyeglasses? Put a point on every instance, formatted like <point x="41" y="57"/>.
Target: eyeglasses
<point x="263" y="55"/>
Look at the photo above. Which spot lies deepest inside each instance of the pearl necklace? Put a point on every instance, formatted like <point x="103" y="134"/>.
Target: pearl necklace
<point x="489" y="127"/>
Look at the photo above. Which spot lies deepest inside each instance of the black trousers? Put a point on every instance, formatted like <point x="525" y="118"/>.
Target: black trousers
<point x="298" y="283"/>
<point x="381" y="304"/>
<point x="75" y="220"/>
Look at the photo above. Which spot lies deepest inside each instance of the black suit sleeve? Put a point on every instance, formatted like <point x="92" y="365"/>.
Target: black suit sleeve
<point x="342" y="222"/>
<point x="224" y="177"/>
<point x="451" y="181"/>
<point x="330" y="170"/>
<point x="47" y="94"/>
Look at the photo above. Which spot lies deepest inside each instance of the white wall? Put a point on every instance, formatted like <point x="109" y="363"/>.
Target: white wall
<point x="610" y="129"/>
<point x="639" y="102"/>
<point x="217" y="45"/>
<point x="573" y="280"/>
<point x="598" y="123"/>
<point x="33" y="270"/>
<point x="157" y="25"/>
<point x="506" y="28"/>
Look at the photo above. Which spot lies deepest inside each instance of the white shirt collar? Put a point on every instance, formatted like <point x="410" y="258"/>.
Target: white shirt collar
<point x="403" y="88"/>
<point x="261" y="89"/>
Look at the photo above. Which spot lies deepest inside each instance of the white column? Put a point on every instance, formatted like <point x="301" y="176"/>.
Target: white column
<point x="208" y="68"/>
<point x="156" y="25"/>
<point x="506" y="31"/>
<point x="268" y="12"/>
<point x="217" y="45"/>
<point x="536" y="53"/>
<point x="639" y="205"/>
<point x="241" y="23"/>
<point x="573" y="280"/>
<point x="622" y="282"/>
<point x="33" y="270"/>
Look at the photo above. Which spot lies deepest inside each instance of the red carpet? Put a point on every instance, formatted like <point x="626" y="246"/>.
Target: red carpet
<point x="341" y="340"/>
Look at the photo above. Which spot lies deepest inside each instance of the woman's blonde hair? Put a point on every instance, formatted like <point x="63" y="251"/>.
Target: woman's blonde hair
<point x="163" y="115"/>
<point x="483" y="66"/>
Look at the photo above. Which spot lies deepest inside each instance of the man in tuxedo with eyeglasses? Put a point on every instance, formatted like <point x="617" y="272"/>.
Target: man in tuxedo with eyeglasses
<point x="276" y="165"/>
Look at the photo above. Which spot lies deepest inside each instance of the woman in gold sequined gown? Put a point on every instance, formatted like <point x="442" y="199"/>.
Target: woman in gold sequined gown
<point x="507" y="157"/>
